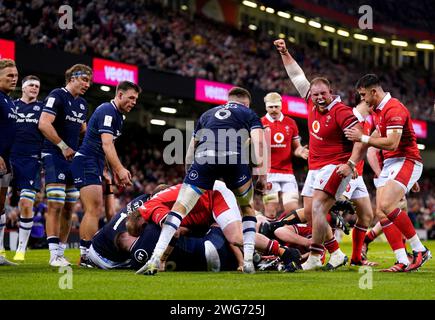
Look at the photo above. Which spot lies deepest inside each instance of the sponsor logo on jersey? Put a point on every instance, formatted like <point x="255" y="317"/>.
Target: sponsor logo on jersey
<point x="278" y="137"/>
<point x="141" y="255"/>
<point x="315" y="126"/>
<point x="107" y="121"/>
<point x="193" y="175"/>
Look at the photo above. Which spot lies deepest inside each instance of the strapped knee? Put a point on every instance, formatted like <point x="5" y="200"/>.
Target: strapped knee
<point x="56" y="194"/>
<point x="72" y="195"/>
<point x="245" y="198"/>
<point x="188" y="196"/>
<point x="288" y="197"/>
<point x="271" y="198"/>
<point x="28" y="194"/>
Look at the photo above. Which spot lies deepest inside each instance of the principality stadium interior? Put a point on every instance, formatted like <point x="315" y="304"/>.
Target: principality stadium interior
<point x="185" y="54"/>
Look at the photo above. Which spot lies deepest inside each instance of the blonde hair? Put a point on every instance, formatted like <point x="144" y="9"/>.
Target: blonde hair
<point x="7" y="63"/>
<point x="273" y="99"/>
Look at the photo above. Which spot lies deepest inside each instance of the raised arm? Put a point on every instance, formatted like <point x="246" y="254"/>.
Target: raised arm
<point x="294" y="71"/>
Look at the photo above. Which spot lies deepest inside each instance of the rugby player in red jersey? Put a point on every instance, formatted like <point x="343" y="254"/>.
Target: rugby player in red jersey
<point x="332" y="159"/>
<point x="402" y="168"/>
<point x="285" y="142"/>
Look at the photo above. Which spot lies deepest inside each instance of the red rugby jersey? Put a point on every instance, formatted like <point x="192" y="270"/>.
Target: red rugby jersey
<point x="282" y="134"/>
<point x="328" y="144"/>
<point x="391" y="114"/>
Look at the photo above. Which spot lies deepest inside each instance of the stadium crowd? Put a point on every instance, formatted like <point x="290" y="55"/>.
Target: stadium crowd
<point x="419" y="16"/>
<point x="146" y="34"/>
<point x="75" y="153"/>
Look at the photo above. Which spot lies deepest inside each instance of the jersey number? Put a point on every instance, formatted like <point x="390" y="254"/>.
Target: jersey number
<point x="222" y="114"/>
<point x="121" y="217"/>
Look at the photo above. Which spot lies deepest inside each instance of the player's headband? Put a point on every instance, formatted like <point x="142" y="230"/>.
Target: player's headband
<point x="30" y="82"/>
<point x="81" y="74"/>
<point x="273" y="103"/>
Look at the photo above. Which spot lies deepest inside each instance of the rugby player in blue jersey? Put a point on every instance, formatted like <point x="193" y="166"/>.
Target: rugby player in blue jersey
<point x="105" y="125"/>
<point x="8" y="82"/>
<point x="25" y="157"/>
<point x="219" y="143"/>
<point x="62" y="122"/>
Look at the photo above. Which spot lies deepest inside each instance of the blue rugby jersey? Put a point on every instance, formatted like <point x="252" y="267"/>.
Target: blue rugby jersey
<point x="8" y="117"/>
<point x="105" y="119"/>
<point x="104" y="240"/>
<point x="28" y="138"/>
<point x="70" y="114"/>
<point x="221" y="119"/>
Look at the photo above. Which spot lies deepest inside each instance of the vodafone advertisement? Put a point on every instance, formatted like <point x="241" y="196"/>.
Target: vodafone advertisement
<point x="420" y="128"/>
<point x="7" y="49"/>
<point x="211" y="92"/>
<point x="111" y="72"/>
<point x="294" y="106"/>
<point x="217" y="93"/>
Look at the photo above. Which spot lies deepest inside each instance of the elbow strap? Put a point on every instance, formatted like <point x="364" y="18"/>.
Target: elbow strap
<point x="297" y="77"/>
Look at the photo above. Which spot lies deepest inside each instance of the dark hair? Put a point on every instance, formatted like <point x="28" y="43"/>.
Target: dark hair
<point x="239" y="93"/>
<point x="127" y="85"/>
<point x="368" y="81"/>
<point x="30" y="77"/>
<point x="320" y="80"/>
<point x="76" y="71"/>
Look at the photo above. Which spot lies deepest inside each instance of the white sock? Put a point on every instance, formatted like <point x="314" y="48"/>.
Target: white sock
<point x="401" y="256"/>
<point x="249" y="232"/>
<point x="61" y="249"/>
<point x="172" y="223"/>
<point x="2" y="229"/>
<point x="416" y="244"/>
<point x="24" y="233"/>
<point x="53" y="246"/>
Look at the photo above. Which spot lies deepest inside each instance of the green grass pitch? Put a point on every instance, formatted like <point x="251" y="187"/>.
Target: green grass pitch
<point x="34" y="279"/>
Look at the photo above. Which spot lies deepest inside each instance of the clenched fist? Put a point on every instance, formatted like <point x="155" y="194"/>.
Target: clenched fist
<point x="280" y="46"/>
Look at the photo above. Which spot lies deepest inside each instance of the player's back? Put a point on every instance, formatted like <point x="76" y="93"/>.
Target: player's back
<point x="226" y="127"/>
<point x="104" y="241"/>
<point x="158" y="207"/>
<point x="70" y="115"/>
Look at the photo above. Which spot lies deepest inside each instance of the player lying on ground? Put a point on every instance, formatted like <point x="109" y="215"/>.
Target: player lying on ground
<point x="212" y="207"/>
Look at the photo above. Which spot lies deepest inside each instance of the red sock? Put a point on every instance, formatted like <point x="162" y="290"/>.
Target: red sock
<point x="273" y="247"/>
<point x="358" y="235"/>
<point x="402" y="222"/>
<point x="370" y="236"/>
<point x="331" y="245"/>
<point x="393" y="234"/>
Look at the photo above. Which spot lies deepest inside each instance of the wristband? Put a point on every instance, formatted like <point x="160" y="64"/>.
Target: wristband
<point x="62" y="145"/>
<point x="283" y="52"/>
<point x="351" y="164"/>
<point x="365" y="139"/>
<point x="108" y="190"/>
